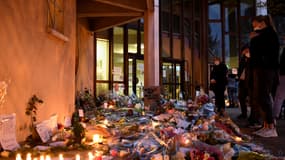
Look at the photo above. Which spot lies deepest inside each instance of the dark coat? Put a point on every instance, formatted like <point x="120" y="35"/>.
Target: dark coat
<point x="264" y="49"/>
<point x="219" y="73"/>
<point x="244" y="64"/>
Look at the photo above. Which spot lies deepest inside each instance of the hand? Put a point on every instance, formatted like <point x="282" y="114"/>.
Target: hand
<point x="253" y="34"/>
<point x="213" y="81"/>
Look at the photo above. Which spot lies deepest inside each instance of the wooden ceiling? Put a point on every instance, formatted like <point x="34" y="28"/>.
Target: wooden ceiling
<point x="104" y="14"/>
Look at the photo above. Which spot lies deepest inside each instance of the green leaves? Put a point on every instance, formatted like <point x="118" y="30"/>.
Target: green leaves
<point x="31" y="109"/>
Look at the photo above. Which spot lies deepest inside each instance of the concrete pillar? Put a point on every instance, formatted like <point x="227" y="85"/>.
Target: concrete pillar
<point x="151" y="57"/>
<point x="151" y="46"/>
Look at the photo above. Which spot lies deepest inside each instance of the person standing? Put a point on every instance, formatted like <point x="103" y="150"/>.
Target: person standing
<point x="243" y="72"/>
<point x="264" y="63"/>
<point x="218" y="80"/>
<point x="280" y="92"/>
<point x="232" y="88"/>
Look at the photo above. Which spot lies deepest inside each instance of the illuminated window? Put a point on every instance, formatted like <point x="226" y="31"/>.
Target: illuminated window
<point x="102" y="66"/>
<point x="102" y="59"/>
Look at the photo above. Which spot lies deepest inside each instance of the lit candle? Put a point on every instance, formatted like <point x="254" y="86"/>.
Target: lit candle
<point x="106" y="122"/>
<point x="60" y="157"/>
<point x="42" y="157"/>
<point x="18" y="156"/>
<point x="90" y="156"/>
<point x="97" y="138"/>
<point x="29" y="156"/>
<point x="48" y="157"/>
<point x="77" y="157"/>
<point x="111" y="106"/>
<point x="187" y="141"/>
<point x="237" y="139"/>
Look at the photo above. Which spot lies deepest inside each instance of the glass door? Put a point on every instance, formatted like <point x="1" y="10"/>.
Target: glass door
<point x="136" y="76"/>
<point x="171" y="79"/>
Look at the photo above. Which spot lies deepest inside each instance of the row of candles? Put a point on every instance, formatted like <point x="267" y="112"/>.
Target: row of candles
<point x="91" y="156"/>
<point x="96" y="156"/>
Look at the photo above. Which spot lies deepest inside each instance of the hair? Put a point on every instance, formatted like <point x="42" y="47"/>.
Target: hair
<point x="262" y="18"/>
<point x="217" y="59"/>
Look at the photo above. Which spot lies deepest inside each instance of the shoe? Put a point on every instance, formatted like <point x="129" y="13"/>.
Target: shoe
<point x="241" y="116"/>
<point x="268" y="133"/>
<point x="254" y="125"/>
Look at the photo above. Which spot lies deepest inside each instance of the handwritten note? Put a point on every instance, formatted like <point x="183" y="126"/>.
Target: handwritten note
<point x="53" y="123"/>
<point x="46" y="128"/>
<point x="43" y="130"/>
<point x="7" y="132"/>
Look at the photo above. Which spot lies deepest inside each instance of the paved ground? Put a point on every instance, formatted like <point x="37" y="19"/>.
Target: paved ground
<point x="276" y="146"/>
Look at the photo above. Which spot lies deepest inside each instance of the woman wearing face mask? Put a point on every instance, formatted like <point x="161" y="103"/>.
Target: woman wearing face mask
<point x="218" y="82"/>
<point x="264" y="53"/>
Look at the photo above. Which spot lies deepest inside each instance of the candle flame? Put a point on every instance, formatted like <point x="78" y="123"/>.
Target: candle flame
<point x="18" y="156"/>
<point x="48" y="157"/>
<point x="97" y="138"/>
<point x="77" y="157"/>
<point x="60" y="157"/>
<point x="29" y="156"/>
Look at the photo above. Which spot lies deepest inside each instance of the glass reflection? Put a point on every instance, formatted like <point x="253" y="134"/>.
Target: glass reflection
<point x="102" y="59"/>
<point x="118" y="62"/>
<point x="214" y="11"/>
<point x="230" y="20"/>
<point x="215" y="39"/>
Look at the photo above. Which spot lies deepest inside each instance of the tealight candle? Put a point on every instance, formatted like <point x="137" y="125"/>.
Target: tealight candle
<point x="48" y="157"/>
<point x="77" y="157"/>
<point x="106" y="122"/>
<point x="97" y="138"/>
<point x="60" y="157"/>
<point x="90" y="156"/>
<point x="18" y="156"/>
<point x="29" y="156"/>
<point x="42" y="157"/>
<point x="187" y="141"/>
<point x="237" y="139"/>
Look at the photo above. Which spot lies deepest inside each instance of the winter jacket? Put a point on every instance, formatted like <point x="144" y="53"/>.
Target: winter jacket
<point x="219" y="74"/>
<point x="264" y="49"/>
